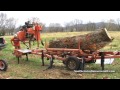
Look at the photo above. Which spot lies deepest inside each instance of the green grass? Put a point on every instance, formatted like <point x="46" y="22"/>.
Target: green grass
<point x="32" y="69"/>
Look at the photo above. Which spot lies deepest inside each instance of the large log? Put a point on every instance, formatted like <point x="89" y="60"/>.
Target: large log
<point x="92" y="41"/>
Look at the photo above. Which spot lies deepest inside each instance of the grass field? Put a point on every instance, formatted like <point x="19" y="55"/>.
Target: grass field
<point x="32" y="69"/>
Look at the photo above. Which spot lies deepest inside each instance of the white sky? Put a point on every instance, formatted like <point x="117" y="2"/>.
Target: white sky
<point x="62" y="17"/>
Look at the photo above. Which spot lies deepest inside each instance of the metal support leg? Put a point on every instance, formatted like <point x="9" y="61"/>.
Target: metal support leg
<point x="51" y="62"/>
<point x="26" y="57"/>
<point x="42" y="59"/>
<point x="18" y="59"/>
<point x="102" y="59"/>
<point x="83" y="63"/>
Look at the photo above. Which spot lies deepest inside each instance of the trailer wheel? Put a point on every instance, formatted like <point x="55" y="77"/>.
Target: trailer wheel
<point x="72" y="63"/>
<point x="3" y="65"/>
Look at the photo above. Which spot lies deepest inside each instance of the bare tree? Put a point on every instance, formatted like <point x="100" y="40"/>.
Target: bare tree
<point x="77" y="24"/>
<point x="90" y="26"/>
<point x="3" y="18"/>
<point x="7" y="25"/>
<point x="10" y="26"/>
<point x="67" y="27"/>
<point x="70" y="26"/>
<point x="118" y="24"/>
<point x="55" y="27"/>
<point x="34" y="19"/>
<point x="111" y="25"/>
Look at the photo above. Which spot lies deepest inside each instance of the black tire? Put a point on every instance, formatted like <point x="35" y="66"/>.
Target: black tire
<point x="3" y="65"/>
<point x="72" y="63"/>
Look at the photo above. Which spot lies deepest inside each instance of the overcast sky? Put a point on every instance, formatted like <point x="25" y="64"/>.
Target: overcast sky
<point x="62" y="17"/>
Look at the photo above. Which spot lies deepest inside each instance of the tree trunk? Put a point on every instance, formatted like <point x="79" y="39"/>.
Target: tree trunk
<point x="91" y="41"/>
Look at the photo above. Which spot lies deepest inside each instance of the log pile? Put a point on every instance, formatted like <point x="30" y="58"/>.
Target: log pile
<point x="92" y="41"/>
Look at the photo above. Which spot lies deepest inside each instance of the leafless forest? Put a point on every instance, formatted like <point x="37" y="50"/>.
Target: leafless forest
<point x="8" y="25"/>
